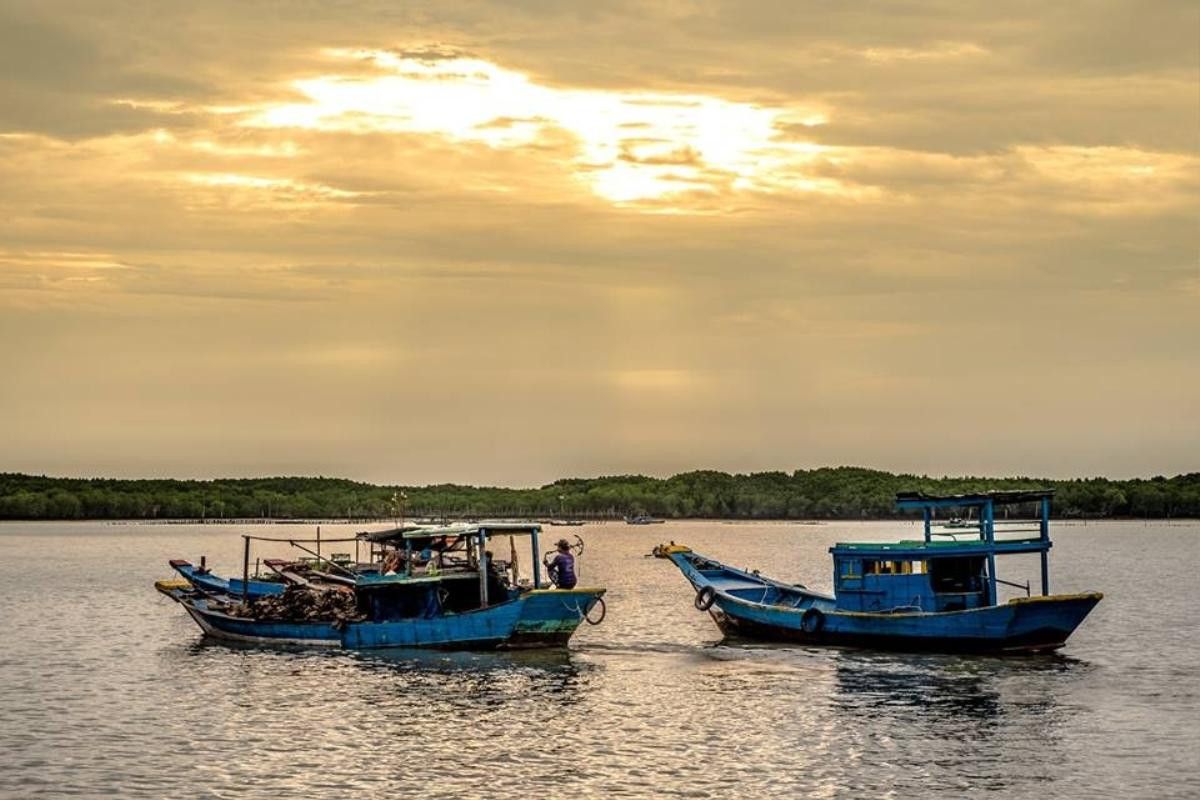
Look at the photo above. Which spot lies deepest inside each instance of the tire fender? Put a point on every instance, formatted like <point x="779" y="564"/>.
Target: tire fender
<point x="812" y="621"/>
<point x="603" y="612"/>
<point x="705" y="598"/>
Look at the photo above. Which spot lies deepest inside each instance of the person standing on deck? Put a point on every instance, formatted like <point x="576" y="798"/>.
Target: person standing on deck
<point x="561" y="568"/>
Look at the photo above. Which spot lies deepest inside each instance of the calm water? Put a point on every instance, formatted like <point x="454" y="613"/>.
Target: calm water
<point x="107" y="689"/>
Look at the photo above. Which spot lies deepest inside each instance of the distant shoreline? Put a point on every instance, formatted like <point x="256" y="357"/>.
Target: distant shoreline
<point x="1070" y="521"/>
<point x="823" y="494"/>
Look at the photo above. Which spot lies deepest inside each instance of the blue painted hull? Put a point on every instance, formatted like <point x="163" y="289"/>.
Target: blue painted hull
<point x="238" y="629"/>
<point x="747" y="605"/>
<point x="214" y="584"/>
<point x="540" y="618"/>
<point x="1039" y="624"/>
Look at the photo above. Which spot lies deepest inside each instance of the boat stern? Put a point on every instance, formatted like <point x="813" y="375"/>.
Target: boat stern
<point x="549" y="617"/>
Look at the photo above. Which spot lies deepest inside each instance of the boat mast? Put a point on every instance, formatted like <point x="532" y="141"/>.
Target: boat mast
<point x="245" y="569"/>
<point x="537" y="558"/>
<point x="987" y="532"/>
<point x="482" y="560"/>
<point x="1046" y="549"/>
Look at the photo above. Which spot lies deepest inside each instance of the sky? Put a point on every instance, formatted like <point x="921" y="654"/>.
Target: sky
<point x="508" y="242"/>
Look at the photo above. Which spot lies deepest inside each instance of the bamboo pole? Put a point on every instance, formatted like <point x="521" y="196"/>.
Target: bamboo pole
<point x="482" y="560"/>
<point x="246" y="570"/>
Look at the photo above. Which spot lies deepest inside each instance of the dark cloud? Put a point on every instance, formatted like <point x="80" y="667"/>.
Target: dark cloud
<point x="63" y="81"/>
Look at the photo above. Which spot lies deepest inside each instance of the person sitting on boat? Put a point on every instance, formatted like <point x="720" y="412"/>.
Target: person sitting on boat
<point x="561" y="568"/>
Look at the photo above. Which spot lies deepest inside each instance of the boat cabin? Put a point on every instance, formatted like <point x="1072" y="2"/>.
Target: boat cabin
<point x="430" y="572"/>
<point x="955" y="572"/>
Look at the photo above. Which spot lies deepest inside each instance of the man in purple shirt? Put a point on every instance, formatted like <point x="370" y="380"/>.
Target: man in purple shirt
<point x="562" y="567"/>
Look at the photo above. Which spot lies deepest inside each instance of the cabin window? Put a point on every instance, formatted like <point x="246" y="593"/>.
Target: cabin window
<point x="849" y="568"/>
<point x="872" y="567"/>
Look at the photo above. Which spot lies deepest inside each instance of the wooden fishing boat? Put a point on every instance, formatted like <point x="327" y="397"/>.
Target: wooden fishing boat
<point x="462" y="601"/>
<point x="909" y="595"/>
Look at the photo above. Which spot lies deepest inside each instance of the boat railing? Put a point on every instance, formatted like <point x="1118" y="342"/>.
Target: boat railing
<point x="1024" y="525"/>
<point x="1015" y="585"/>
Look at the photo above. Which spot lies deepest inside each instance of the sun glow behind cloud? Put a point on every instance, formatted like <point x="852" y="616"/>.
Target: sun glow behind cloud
<point x="625" y="146"/>
<point x="680" y="235"/>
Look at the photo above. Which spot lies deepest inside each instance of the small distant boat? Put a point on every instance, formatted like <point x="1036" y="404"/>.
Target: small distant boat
<point x="908" y="595"/>
<point x="959" y="522"/>
<point x="461" y="598"/>
<point x="642" y="519"/>
<point x="566" y="522"/>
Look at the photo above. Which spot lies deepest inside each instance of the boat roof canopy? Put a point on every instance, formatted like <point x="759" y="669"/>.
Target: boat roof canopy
<point x="976" y="499"/>
<point x="916" y="550"/>
<point x="472" y="529"/>
<point x="389" y="535"/>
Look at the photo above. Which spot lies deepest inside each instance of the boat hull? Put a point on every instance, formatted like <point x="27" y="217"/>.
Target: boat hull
<point x="540" y="618"/>
<point x="250" y="631"/>
<point x="1033" y="625"/>
<point x="1022" y="625"/>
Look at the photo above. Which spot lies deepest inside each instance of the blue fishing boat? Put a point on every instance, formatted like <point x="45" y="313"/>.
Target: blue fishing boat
<point x="433" y="587"/>
<point x="938" y="595"/>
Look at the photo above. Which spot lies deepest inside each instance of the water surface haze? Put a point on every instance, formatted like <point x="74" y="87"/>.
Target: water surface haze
<point x="107" y="688"/>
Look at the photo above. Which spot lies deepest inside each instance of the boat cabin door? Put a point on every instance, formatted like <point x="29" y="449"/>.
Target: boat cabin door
<point x="958" y="583"/>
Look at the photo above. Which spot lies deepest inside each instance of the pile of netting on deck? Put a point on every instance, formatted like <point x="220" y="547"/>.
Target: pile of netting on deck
<point x="301" y="604"/>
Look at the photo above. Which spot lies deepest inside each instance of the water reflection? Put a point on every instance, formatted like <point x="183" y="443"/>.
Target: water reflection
<point x="978" y="714"/>
<point x="971" y="685"/>
<point x="895" y="684"/>
<point x="486" y="677"/>
<point x="551" y="661"/>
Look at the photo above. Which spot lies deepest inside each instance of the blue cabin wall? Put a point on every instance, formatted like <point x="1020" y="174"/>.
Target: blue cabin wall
<point x="883" y="592"/>
<point x="857" y="590"/>
<point x="892" y="591"/>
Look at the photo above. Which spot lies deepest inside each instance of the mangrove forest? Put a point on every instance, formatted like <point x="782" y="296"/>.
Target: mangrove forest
<point x="825" y="493"/>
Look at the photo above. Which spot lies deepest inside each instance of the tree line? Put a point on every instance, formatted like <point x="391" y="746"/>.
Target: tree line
<point x="825" y="493"/>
